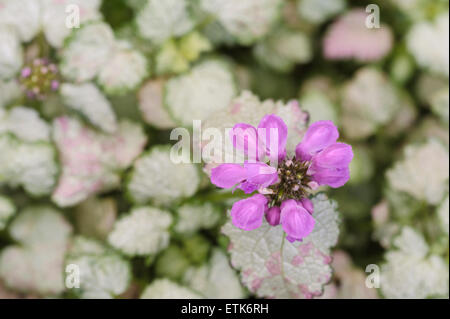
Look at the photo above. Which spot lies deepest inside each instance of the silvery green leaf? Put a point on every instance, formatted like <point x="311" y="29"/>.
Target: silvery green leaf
<point x="35" y="264"/>
<point x="271" y="266"/>
<point x="283" y="49"/>
<point x="90" y="101"/>
<point x="10" y="52"/>
<point x="411" y="271"/>
<point x="423" y="182"/>
<point x="248" y="20"/>
<point x="87" y="51"/>
<point x="216" y="279"/>
<point x="25" y="123"/>
<point x="319" y="107"/>
<point x="30" y="165"/>
<point x="103" y="273"/>
<point x="428" y="42"/>
<point x="166" y="289"/>
<point x="156" y="178"/>
<point x="144" y="231"/>
<point x="369" y="100"/>
<point x="317" y="11"/>
<point x="23" y="15"/>
<point x="194" y="217"/>
<point x="160" y="20"/>
<point x="124" y="71"/>
<point x="207" y="88"/>
<point x="56" y="14"/>
<point x="9" y="90"/>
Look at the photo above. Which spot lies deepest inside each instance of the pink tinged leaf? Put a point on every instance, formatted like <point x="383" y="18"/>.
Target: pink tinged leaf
<point x="297" y="222"/>
<point x="247" y="214"/>
<point x="305" y="249"/>
<point x="228" y="175"/>
<point x="273" y="216"/>
<point x="244" y="137"/>
<point x="297" y="260"/>
<point x="319" y="135"/>
<point x="273" y="264"/>
<point x="255" y="252"/>
<point x="256" y="284"/>
<point x="348" y="38"/>
<point x="273" y="131"/>
<point x="308" y="294"/>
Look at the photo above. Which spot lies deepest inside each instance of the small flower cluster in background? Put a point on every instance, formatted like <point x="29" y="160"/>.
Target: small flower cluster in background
<point x="87" y="181"/>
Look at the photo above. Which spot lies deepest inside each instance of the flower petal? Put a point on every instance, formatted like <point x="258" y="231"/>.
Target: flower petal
<point x="248" y="187"/>
<point x="292" y="239"/>
<point x="258" y="175"/>
<point x="245" y="138"/>
<point x="273" y="215"/>
<point x="307" y="204"/>
<point x="332" y="177"/>
<point x="247" y="214"/>
<point x="273" y="131"/>
<point x="318" y="136"/>
<point x="337" y="155"/>
<point x="261" y="174"/>
<point x="330" y="167"/>
<point x="228" y="175"/>
<point x="297" y="222"/>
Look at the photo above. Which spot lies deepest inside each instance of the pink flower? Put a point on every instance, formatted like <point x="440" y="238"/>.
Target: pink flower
<point x="283" y="191"/>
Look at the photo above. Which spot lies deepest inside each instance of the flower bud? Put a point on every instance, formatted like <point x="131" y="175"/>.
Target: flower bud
<point x="273" y="216"/>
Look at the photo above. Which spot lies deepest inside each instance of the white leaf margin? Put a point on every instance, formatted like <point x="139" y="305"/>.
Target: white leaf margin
<point x="273" y="267"/>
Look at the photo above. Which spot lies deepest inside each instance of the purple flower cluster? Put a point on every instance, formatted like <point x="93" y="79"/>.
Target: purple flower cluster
<point x="282" y="192"/>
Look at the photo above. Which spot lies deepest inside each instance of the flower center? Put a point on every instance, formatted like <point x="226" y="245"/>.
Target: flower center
<point x="39" y="78"/>
<point x="293" y="182"/>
